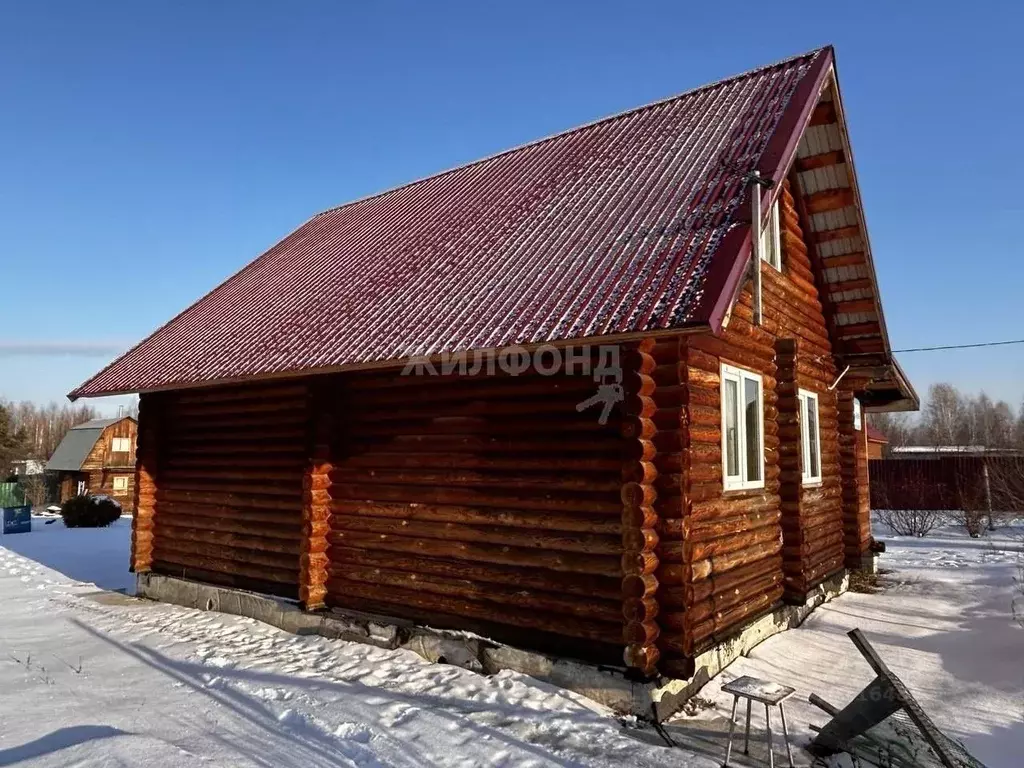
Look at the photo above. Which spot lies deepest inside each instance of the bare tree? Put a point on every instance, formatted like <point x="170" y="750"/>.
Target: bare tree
<point x="944" y="415"/>
<point x="900" y="429"/>
<point x="1018" y="438"/>
<point x="44" y="426"/>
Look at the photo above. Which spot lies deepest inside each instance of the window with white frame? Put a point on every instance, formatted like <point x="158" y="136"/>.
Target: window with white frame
<point x="121" y="445"/>
<point x="771" y="239"/>
<point x="856" y="414"/>
<point x="121" y="483"/>
<point x="742" y="429"/>
<point x="810" y="437"/>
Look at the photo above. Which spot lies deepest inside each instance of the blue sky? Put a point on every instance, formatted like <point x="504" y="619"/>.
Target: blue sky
<point x="149" y="150"/>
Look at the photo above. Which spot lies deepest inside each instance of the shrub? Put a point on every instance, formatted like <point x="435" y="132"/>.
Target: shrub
<point x="910" y="522"/>
<point x="89" y="511"/>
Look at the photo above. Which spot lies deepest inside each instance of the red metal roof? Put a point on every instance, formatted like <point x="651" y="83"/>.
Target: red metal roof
<point x="630" y="224"/>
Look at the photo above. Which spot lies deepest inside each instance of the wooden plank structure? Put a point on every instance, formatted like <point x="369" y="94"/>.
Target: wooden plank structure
<point x="868" y="728"/>
<point x="86" y="460"/>
<point x="494" y="499"/>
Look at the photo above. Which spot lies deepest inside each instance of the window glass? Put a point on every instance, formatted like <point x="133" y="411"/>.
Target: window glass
<point x="810" y="438"/>
<point x="731" y="417"/>
<point x="813" y="450"/>
<point x="742" y="438"/>
<point x="752" y="408"/>
<point x="771" y="248"/>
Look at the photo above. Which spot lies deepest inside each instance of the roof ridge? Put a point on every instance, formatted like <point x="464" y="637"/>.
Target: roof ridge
<point x="550" y="137"/>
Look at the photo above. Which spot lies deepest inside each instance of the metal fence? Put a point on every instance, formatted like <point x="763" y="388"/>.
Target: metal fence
<point x="949" y="482"/>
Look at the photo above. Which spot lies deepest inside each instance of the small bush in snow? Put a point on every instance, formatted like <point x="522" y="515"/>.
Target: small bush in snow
<point x="910" y="522"/>
<point x="89" y="511"/>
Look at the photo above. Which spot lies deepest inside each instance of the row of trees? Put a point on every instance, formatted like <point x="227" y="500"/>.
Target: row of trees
<point x="950" y="417"/>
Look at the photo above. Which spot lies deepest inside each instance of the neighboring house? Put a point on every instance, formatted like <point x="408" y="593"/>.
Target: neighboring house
<point x="282" y="449"/>
<point x="26" y="467"/>
<point x="97" y="457"/>
<point x="876" y="442"/>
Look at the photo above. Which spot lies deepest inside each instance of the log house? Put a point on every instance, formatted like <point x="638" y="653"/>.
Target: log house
<point x="288" y="447"/>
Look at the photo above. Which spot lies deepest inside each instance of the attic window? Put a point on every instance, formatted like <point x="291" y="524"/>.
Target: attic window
<point x="771" y="245"/>
<point x="121" y="445"/>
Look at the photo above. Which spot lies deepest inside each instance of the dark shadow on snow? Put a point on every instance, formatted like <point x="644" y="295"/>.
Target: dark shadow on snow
<point x="60" y="739"/>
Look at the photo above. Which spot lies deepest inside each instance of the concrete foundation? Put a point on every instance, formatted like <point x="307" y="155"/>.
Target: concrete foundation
<point x="657" y="699"/>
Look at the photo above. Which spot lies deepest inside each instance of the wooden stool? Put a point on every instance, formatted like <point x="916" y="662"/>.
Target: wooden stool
<point x="771" y="695"/>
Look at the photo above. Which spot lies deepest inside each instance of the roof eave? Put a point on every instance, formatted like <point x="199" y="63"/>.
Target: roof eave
<point x="685" y="329"/>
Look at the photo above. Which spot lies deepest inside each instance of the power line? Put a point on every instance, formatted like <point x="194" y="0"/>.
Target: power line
<point x="961" y="346"/>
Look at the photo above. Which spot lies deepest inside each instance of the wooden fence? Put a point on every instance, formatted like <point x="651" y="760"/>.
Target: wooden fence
<point x="953" y="482"/>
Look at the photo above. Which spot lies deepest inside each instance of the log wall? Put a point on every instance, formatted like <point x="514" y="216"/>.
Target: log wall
<point x="728" y="556"/>
<point x="486" y="503"/>
<point x="735" y="567"/>
<point x="220" y="478"/>
<point x="812" y="515"/>
<point x="853" y="458"/>
<point x="101" y="481"/>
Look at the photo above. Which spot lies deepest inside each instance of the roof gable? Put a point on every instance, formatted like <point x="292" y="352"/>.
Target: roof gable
<point x="78" y="443"/>
<point x="75" y="448"/>
<point x="629" y="225"/>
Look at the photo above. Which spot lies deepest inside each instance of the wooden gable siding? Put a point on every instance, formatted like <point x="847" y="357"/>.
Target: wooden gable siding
<point x="101" y="481"/>
<point x="219" y="478"/>
<point x="487" y="503"/>
<point x="102" y="454"/>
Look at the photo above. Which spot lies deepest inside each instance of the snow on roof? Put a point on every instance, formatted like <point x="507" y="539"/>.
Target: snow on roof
<point x="629" y="224"/>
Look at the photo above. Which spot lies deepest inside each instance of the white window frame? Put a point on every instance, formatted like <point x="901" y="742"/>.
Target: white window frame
<point x="739" y="482"/>
<point x="121" y="478"/>
<point x="122" y="441"/>
<point x="771" y="239"/>
<point x="806" y="398"/>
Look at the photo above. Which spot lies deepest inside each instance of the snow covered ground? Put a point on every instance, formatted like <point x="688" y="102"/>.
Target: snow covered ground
<point x="942" y="622"/>
<point x="91" y="677"/>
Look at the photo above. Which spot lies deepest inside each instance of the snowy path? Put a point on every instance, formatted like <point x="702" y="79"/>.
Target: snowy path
<point x="94" y="678"/>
